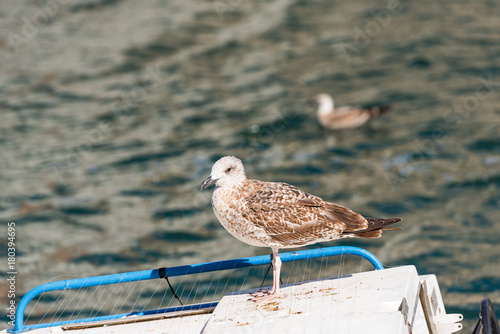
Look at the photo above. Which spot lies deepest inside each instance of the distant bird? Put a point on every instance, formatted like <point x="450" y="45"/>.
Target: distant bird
<point x="279" y="215"/>
<point x="344" y="117"/>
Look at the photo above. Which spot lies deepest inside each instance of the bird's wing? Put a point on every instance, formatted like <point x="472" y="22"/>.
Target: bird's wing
<point x="269" y="196"/>
<point x="350" y="113"/>
<point x="290" y="215"/>
<point x="348" y="117"/>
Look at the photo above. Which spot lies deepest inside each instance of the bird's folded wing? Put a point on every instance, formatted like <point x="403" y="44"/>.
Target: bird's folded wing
<point x="268" y="196"/>
<point x="284" y="210"/>
<point x="350" y="115"/>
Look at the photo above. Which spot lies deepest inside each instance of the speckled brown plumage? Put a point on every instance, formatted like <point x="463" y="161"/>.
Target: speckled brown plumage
<point x="279" y="215"/>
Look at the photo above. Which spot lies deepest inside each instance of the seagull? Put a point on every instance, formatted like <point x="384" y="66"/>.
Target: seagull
<point x="279" y="215"/>
<point x="344" y="117"/>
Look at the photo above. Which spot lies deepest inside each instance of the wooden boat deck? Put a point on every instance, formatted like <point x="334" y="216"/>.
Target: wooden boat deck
<point x="393" y="300"/>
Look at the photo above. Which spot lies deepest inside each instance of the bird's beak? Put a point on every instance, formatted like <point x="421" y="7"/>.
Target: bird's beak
<point x="207" y="183"/>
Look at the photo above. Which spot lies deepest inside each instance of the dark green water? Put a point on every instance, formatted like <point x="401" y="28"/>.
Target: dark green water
<point x="112" y="113"/>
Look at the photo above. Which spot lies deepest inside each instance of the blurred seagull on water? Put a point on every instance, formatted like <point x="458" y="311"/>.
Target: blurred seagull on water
<point x="345" y="117"/>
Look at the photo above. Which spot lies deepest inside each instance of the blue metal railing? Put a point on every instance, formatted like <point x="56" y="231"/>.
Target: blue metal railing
<point x="170" y="272"/>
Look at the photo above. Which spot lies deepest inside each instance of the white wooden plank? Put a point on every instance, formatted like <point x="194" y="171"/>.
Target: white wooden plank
<point x="368" y="302"/>
<point x="433" y="307"/>
<point x="181" y="325"/>
<point x="361" y="303"/>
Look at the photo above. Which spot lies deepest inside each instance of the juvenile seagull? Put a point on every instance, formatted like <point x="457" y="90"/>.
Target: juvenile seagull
<point x="344" y="117"/>
<point x="279" y="215"/>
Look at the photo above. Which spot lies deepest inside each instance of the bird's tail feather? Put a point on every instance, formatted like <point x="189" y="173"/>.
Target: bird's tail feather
<point x="376" y="111"/>
<point x="379" y="223"/>
<point x="375" y="228"/>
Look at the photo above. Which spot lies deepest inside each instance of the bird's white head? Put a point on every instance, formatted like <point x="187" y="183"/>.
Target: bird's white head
<point x="226" y="172"/>
<point x="324" y="103"/>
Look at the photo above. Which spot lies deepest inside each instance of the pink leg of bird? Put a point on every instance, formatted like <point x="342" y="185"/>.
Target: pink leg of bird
<point x="275" y="291"/>
<point x="276" y="273"/>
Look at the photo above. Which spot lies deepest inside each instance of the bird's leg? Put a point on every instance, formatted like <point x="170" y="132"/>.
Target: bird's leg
<point x="276" y="272"/>
<point x="275" y="291"/>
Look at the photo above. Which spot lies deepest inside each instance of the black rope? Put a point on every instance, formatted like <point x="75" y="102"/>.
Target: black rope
<point x="265" y="276"/>
<point x="267" y="272"/>
<point x="163" y="274"/>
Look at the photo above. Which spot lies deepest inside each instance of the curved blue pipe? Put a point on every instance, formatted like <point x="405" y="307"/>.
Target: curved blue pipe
<point x="176" y="271"/>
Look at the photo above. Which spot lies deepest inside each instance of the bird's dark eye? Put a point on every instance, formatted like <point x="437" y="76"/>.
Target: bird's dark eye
<point x="229" y="169"/>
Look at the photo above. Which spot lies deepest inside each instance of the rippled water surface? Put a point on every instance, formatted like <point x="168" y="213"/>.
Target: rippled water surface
<point x="112" y="113"/>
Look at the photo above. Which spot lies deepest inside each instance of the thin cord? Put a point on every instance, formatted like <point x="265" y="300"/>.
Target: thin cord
<point x="163" y="274"/>
<point x="265" y="276"/>
<point x="267" y="272"/>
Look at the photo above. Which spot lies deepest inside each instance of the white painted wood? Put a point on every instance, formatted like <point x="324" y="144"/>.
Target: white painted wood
<point x="379" y="302"/>
<point x="362" y="303"/>
<point x="183" y="325"/>
<point x="433" y="306"/>
<point x="420" y="325"/>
